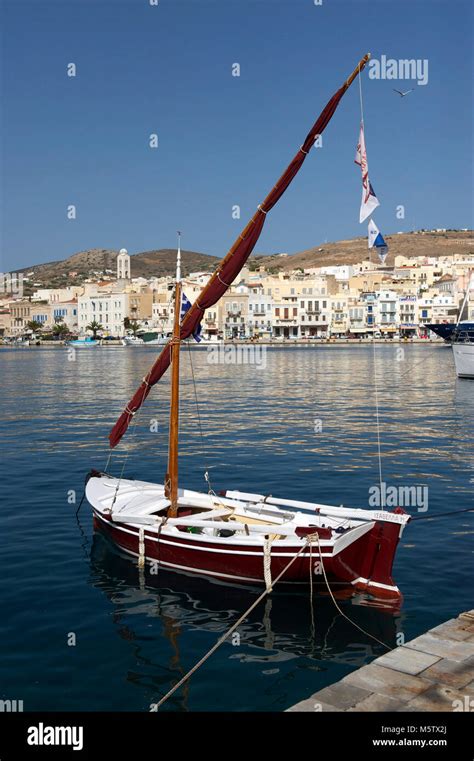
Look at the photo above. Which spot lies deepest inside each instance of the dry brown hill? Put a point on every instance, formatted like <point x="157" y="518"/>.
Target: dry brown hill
<point x="355" y="250"/>
<point x="94" y="262"/>
<point x="100" y="260"/>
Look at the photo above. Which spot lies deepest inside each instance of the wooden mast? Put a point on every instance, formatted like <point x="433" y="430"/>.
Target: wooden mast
<point x="171" y="480"/>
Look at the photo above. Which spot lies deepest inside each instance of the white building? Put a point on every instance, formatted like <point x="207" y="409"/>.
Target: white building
<point x="314" y="315"/>
<point x="387" y="311"/>
<point x="107" y="309"/>
<point x="339" y="315"/>
<point x="260" y="311"/>
<point x="66" y="312"/>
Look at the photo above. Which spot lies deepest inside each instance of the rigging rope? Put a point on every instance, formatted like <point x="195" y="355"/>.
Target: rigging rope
<point x="379" y="453"/>
<point x="360" y="96"/>
<point x="373" y="340"/>
<point x="206" y="473"/>
<point x="442" y="515"/>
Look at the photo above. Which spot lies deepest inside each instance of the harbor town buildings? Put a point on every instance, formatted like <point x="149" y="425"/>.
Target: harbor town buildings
<point x="357" y="300"/>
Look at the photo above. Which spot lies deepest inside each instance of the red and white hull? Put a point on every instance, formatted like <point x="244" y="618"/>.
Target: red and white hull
<point x="232" y="537"/>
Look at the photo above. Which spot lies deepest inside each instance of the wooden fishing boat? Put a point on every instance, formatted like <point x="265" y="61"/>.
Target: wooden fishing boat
<point x="235" y="536"/>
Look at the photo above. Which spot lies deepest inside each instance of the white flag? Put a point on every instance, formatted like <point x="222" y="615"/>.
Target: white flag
<point x="369" y="199"/>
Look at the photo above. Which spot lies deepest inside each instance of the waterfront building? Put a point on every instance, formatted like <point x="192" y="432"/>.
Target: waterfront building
<point x="315" y="315"/>
<point x="260" y="312"/>
<point x="408" y="317"/>
<point x="107" y="309"/>
<point x="387" y="312"/>
<point x="233" y="314"/>
<point x="24" y="311"/>
<point x="66" y="312"/>
<point x="339" y="315"/>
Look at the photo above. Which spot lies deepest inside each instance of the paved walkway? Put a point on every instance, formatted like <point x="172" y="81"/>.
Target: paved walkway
<point x="434" y="672"/>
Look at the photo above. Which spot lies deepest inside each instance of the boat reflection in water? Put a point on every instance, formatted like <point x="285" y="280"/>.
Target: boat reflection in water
<point x="277" y="631"/>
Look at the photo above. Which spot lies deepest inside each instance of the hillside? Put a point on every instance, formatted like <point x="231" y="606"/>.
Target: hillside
<point x="355" y="250"/>
<point x="96" y="261"/>
<point x="162" y="262"/>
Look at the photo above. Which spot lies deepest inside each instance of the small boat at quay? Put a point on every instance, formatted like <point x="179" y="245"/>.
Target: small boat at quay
<point x="236" y="536"/>
<point x="83" y="343"/>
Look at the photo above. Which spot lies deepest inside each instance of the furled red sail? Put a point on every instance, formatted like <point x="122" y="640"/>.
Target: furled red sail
<point x="232" y="263"/>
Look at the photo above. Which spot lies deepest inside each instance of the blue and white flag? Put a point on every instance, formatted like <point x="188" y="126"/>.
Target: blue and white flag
<point x="376" y="240"/>
<point x="185" y="307"/>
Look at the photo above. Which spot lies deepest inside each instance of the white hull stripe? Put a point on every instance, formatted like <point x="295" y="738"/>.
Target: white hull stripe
<point x="360" y="580"/>
<point x="160" y="563"/>
<point x="223" y="551"/>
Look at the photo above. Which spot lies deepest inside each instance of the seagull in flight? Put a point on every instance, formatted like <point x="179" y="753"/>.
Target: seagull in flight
<point x="402" y="94"/>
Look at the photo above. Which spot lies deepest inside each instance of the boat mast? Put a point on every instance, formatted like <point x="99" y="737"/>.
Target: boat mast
<point x="171" y="480"/>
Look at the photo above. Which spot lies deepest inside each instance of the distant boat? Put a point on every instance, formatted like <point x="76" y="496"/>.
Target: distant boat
<point x="132" y="341"/>
<point x="463" y="342"/>
<point x="148" y="339"/>
<point x="237" y="536"/>
<point x="447" y="330"/>
<point x="83" y="343"/>
<point x="463" y="352"/>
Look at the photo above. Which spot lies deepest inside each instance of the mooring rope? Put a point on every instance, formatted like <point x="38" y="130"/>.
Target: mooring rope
<point x="337" y="606"/>
<point x="442" y="515"/>
<point x="222" y="639"/>
<point x="232" y="629"/>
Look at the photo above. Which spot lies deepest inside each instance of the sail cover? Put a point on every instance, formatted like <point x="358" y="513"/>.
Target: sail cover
<point x="230" y="266"/>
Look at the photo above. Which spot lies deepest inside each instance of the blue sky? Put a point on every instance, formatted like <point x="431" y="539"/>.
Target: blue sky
<point x="224" y="140"/>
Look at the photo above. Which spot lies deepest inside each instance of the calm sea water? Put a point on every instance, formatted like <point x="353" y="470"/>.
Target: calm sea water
<point x="136" y="636"/>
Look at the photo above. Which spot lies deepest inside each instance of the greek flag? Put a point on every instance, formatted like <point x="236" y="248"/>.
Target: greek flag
<point x="185" y="307"/>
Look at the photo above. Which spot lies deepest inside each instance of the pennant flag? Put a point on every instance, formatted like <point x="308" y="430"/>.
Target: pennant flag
<point x="185" y="307"/>
<point x="369" y="199"/>
<point x="376" y="240"/>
